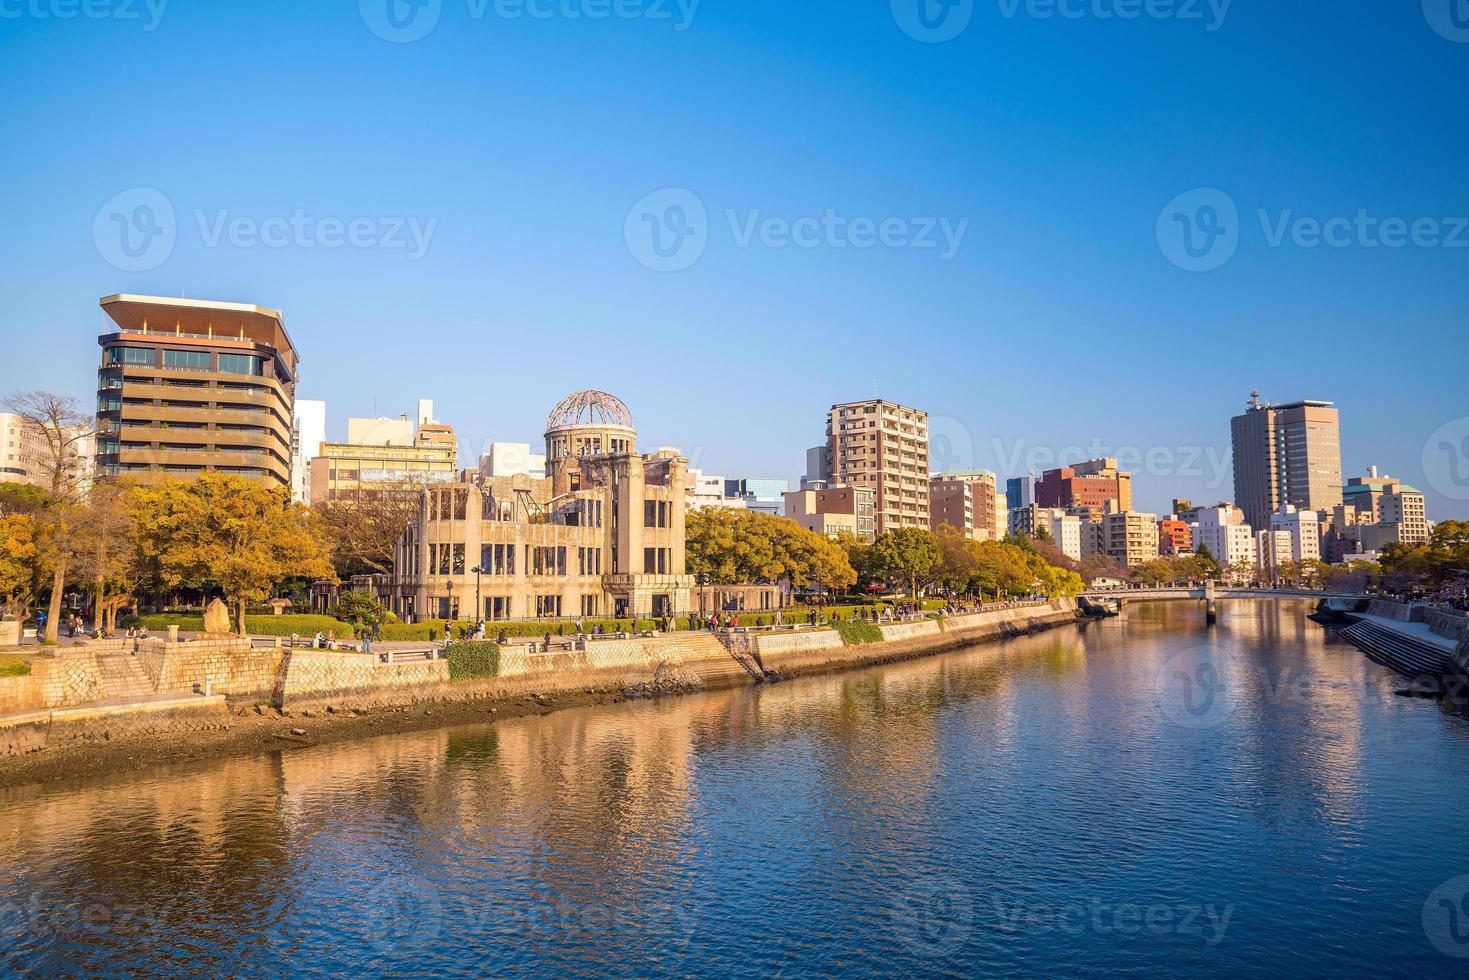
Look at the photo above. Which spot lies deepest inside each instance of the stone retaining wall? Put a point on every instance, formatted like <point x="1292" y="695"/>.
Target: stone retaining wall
<point x="59" y="727"/>
<point x="1401" y="611"/>
<point x="1450" y="625"/>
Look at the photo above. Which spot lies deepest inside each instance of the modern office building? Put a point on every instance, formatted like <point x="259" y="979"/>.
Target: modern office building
<point x="966" y="501"/>
<point x="512" y="459"/>
<point x="190" y="385"/>
<point x="818" y="468"/>
<point x="601" y="535"/>
<point x="1286" y="454"/>
<point x="1086" y="489"/>
<point x="384" y="455"/>
<point x="1382" y="499"/>
<point x="308" y="432"/>
<point x="766" y="495"/>
<point x="834" y="511"/>
<point x="884" y="446"/>
<point x="1020" y="491"/>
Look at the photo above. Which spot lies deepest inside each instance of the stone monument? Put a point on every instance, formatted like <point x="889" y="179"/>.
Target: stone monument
<point x="217" y="618"/>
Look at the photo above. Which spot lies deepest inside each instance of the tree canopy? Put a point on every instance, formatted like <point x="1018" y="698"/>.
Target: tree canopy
<point x="727" y="545"/>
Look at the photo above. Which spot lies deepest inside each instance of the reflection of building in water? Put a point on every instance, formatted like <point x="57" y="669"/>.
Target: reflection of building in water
<point x="601" y="535"/>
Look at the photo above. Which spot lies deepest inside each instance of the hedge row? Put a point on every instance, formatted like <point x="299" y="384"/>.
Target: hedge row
<point x="304" y="624"/>
<point x="472" y="661"/>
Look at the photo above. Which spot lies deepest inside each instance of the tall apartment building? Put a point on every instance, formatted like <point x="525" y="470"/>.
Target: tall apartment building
<point x="1286" y="454"/>
<point x="1223" y="531"/>
<point x="189" y="385"/>
<point x="834" y="511"/>
<point x="1302" y="528"/>
<point x="1272" y="550"/>
<point x="385" y="455"/>
<point x="966" y="501"/>
<point x="1086" y="488"/>
<point x="1020" y="491"/>
<point x="884" y="446"/>
<point x="1128" y="537"/>
<point x="308" y="432"/>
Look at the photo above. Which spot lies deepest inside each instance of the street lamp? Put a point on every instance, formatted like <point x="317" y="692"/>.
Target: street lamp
<point x="477" y="570"/>
<point x="453" y="612"/>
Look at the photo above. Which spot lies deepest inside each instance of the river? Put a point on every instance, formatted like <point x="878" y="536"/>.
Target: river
<point x="1143" y="795"/>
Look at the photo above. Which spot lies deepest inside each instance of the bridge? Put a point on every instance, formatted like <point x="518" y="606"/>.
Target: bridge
<point x="1212" y="591"/>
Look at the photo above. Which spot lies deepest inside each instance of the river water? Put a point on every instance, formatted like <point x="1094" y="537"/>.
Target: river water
<point x="1143" y="795"/>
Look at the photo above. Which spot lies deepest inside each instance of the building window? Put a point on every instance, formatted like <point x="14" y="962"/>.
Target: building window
<point x="239" y="364"/>
<point x="186" y="359"/>
<point x="548" y="605"/>
<point x="130" y="355"/>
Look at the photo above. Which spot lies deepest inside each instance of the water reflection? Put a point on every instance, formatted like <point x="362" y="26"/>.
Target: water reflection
<point x="931" y="815"/>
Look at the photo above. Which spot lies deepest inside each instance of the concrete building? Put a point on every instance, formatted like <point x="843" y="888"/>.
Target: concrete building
<point x="884" y="446"/>
<point x="707" y="490"/>
<point x="1384" y="500"/>
<point x="1130" y="538"/>
<point x="385" y="455"/>
<point x="818" y="468"/>
<point x="1286" y="454"/>
<point x="766" y="495"/>
<point x="834" y="511"/>
<point x="1086" y="489"/>
<point x="1174" y="536"/>
<point x="1223" y="531"/>
<point x="966" y="500"/>
<point x="308" y="432"/>
<point x="601" y="535"/>
<point x="191" y="385"/>
<point x="1066" y="530"/>
<point x="1303" y="528"/>
<point x="512" y="459"/>
<point x="1272" y="550"/>
<point x="28" y="456"/>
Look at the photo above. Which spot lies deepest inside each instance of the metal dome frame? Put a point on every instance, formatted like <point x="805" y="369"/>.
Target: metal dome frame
<point x="589" y="407"/>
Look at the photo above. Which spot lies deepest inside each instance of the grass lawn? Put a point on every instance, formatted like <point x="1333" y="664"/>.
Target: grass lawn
<point x="14" y="665"/>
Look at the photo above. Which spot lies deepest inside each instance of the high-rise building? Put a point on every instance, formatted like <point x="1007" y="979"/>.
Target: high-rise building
<point x="1020" y="491"/>
<point x="1129" y="538"/>
<point x="1086" y="488"/>
<point x="1382" y="499"/>
<point x="1223" y="531"/>
<point x="884" y="446"/>
<point x="28" y="456"/>
<point x="189" y="385"/>
<point x="308" y="432"/>
<point x="834" y="511"/>
<point x="818" y="468"/>
<point x="1302" y="528"/>
<point x="966" y="501"/>
<point x="1272" y="550"/>
<point x="1286" y="454"/>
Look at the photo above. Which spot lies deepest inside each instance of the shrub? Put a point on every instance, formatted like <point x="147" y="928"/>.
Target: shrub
<point x="13" y="666"/>
<point x="305" y="624"/>
<point x="856" y="631"/>
<point x="529" y="628"/>
<point x="473" y="660"/>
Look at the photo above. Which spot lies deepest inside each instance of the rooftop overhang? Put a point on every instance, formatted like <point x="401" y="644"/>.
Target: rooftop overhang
<point x="201" y="318"/>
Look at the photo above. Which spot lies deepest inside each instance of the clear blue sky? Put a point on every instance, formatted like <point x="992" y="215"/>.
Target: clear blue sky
<point x="1059" y="322"/>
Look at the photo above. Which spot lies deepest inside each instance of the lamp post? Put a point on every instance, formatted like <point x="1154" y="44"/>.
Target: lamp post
<point x="453" y="612"/>
<point x="477" y="570"/>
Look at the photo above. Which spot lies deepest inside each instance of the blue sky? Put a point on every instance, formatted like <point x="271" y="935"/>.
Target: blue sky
<point x="530" y="152"/>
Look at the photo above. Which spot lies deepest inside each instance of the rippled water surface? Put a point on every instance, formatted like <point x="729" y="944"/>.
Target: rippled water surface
<point x="1140" y="796"/>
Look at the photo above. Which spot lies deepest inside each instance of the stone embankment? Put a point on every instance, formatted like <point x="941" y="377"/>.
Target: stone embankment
<point x="121" y="690"/>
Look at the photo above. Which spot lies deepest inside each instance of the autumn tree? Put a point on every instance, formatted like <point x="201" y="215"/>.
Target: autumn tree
<point x="64" y="430"/>
<point x="363" y="528"/>
<point x="910" y="553"/>
<point x="728" y="545"/>
<point x="106" y="556"/>
<point x="17" y="562"/>
<point x="240" y="535"/>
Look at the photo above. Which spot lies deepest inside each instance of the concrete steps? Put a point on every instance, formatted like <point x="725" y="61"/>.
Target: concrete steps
<point x="123" y="677"/>
<point x="1396" y="651"/>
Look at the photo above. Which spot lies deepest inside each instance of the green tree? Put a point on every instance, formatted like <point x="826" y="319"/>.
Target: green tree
<point x="728" y="546"/>
<point x="359" y="609"/>
<point x="910" y="553"/>
<point x="1208" y="563"/>
<point x="235" y="533"/>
